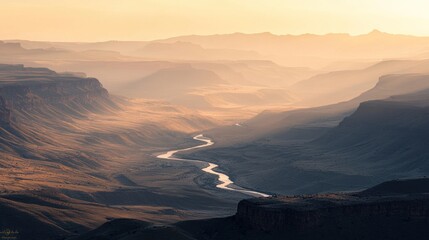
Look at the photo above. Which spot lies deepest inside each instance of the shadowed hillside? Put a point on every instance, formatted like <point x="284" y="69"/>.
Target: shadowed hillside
<point x="321" y="149"/>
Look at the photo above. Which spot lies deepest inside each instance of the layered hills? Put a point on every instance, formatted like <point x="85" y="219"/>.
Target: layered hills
<point x="300" y="68"/>
<point x="305" y="114"/>
<point x="212" y="82"/>
<point x="309" y="50"/>
<point x="343" y="146"/>
<point x="343" y="85"/>
<point x="315" y="50"/>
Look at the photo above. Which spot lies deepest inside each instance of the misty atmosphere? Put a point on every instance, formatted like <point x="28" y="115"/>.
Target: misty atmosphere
<point x="214" y="120"/>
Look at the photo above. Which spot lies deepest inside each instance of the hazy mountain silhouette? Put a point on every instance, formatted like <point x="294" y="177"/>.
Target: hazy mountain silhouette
<point x="321" y="149"/>
<point x="190" y="51"/>
<point x="339" y="86"/>
<point x="315" y="50"/>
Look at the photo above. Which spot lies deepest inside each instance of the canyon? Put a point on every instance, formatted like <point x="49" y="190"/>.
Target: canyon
<point x="74" y="156"/>
<point x="103" y="140"/>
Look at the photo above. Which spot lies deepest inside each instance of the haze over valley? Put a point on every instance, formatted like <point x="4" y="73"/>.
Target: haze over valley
<point x="208" y="134"/>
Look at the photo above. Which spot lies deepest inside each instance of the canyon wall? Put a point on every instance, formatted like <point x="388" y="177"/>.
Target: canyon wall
<point x="27" y="89"/>
<point x="301" y="216"/>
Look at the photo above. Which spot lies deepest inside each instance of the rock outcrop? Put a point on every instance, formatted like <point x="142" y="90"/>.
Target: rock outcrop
<point x="373" y="212"/>
<point x="392" y="210"/>
<point x="303" y="214"/>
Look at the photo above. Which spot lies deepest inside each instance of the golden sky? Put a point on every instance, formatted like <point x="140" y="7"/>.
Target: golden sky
<point x="98" y="20"/>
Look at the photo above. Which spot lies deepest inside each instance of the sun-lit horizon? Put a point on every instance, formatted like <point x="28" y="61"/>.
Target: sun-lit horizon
<point x="204" y="34"/>
<point x="133" y="20"/>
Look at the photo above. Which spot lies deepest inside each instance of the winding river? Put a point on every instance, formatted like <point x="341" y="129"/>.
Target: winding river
<point x="225" y="181"/>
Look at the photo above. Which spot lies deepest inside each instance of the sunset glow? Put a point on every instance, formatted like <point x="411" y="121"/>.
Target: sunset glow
<point x="96" y="20"/>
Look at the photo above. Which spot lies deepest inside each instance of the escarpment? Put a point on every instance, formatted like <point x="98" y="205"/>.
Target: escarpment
<point x="28" y="89"/>
<point x="375" y="212"/>
<point x="303" y="214"/>
<point x="392" y="210"/>
<point x="37" y="104"/>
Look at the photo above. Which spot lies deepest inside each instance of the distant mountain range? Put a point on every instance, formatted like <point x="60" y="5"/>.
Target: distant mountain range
<point x="334" y="67"/>
<point x="290" y="50"/>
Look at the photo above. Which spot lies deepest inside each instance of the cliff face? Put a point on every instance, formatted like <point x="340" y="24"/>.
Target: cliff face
<point x="290" y="214"/>
<point x="392" y="210"/>
<point x="62" y="90"/>
<point x="27" y="89"/>
<point x="36" y="104"/>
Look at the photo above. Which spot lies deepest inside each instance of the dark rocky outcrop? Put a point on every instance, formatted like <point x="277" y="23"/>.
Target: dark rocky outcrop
<point x="392" y="210"/>
<point x="313" y="213"/>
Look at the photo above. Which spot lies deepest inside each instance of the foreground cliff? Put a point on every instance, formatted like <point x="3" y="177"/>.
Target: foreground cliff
<point x="339" y="216"/>
<point x="392" y="210"/>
